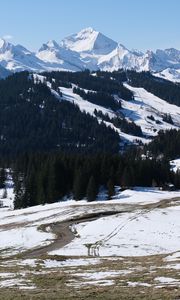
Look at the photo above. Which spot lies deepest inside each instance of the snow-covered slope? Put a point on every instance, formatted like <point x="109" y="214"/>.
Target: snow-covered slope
<point x="88" y="107"/>
<point x="17" y="58"/>
<point x="19" y="229"/>
<point x="148" y="111"/>
<point x="119" y="58"/>
<point x="170" y="56"/>
<point x="139" y="233"/>
<point x="55" y="57"/>
<point x="169" y="74"/>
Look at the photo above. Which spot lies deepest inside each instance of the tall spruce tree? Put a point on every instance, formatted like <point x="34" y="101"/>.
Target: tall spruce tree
<point x="110" y="188"/>
<point x="3" y="176"/>
<point x="78" y="190"/>
<point x="127" y="178"/>
<point x="19" y="190"/>
<point x="91" y="189"/>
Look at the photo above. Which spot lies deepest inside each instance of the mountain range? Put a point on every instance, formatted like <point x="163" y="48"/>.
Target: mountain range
<point x="88" y="49"/>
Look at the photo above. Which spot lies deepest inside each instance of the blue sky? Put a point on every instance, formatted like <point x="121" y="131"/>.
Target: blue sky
<point x="140" y="24"/>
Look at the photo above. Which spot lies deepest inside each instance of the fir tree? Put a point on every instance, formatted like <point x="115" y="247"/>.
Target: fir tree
<point x="19" y="190"/>
<point x="78" y="185"/>
<point x="127" y="178"/>
<point x="91" y="189"/>
<point x="3" y="178"/>
<point x="110" y="188"/>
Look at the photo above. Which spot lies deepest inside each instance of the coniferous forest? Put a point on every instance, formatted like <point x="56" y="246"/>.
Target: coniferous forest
<point x="56" y="151"/>
<point x="46" y="178"/>
<point x="31" y="119"/>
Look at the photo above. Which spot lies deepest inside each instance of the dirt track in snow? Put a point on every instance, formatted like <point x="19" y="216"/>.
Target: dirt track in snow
<point x="64" y="235"/>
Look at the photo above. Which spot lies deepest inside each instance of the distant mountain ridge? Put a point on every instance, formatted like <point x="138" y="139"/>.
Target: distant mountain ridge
<point x="88" y="49"/>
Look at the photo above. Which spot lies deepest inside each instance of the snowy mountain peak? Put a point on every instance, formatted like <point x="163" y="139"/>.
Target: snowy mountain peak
<point x="91" y="41"/>
<point x="137" y="52"/>
<point x="2" y="42"/>
<point x="50" y="45"/>
<point x="86" y="31"/>
<point x="4" y="45"/>
<point x="149" y="53"/>
<point x="89" y="49"/>
<point x="173" y="51"/>
<point x="121" y="47"/>
<point x="172" y="54"/>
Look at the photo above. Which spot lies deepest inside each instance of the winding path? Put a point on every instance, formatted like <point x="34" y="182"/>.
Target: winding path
<point x="64" y="235"/>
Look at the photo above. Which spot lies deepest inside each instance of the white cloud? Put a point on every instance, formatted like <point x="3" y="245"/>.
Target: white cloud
<point x="7" y="37"/>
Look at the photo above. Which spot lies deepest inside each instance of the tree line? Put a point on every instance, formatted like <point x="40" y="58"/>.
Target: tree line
<point x="120" y="122"/>
<point x="99" y="82"/>
<point x="99" y="98"/>
<point x="47" y="178"/>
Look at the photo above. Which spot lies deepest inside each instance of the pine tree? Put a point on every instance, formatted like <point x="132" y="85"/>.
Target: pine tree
<point x="154" y="183"/>
<point x="30" y="194"/>
<point x="127" y="178"/>
<point x="177" y="179"/>
<point x="51" y="187"/>
<point x="110" y="188"/>
<point x="19" y="190"/>
<point x="91" y="189"/>
<point x="78" y="185"/>
<point x="42" y="187"/>
<point x="2" y="178"/>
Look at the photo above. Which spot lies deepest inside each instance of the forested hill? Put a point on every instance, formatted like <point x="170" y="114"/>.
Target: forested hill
<point x="34" y="116"/>
<point x="106" y="82"/>
<point x="62" y="132"/>
<point x="32" y="119"/>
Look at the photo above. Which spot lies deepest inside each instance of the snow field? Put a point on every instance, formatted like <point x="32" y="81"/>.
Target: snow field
<point x="19" y="229"/>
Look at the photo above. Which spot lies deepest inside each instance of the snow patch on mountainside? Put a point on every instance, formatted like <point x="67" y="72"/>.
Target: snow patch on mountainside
<point x="84" y="105"/>
<point x="148" y="110"/>
<point x="119" y="58"/>
<point x="57" y="58"/>
<point x="88" y="107"/>
<point x="140" y="110"/>
<point x="175" y="165"/>
<point x="169" y="74"/>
